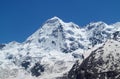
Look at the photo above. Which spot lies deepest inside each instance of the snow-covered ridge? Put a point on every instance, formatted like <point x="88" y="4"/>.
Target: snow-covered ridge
<point x="53" y="49"/>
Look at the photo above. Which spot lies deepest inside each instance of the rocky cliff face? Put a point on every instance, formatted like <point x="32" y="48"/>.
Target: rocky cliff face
<point x="102" y="63"/>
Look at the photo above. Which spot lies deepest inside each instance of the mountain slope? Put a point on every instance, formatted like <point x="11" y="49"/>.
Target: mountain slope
<point x="103" y="63"/>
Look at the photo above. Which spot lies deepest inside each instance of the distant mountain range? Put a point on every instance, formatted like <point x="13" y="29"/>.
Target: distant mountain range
<point x="60" y="50"/>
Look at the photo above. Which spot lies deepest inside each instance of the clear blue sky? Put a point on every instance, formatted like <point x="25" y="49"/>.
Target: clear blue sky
<point x="20" y="18"/>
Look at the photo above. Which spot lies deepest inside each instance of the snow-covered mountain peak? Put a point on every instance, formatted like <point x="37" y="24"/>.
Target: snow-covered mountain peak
<point x="54" y="20"/>
<point x="96" y="25"/>
<point x="116" y="26"/>
<point x="58" y="35"/>
<point x="117" y="23"/>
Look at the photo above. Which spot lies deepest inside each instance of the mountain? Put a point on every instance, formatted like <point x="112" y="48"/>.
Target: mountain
<point x="58" y="35"/>
<point x="102" y="63"/>
<point x="52" y="51"/>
